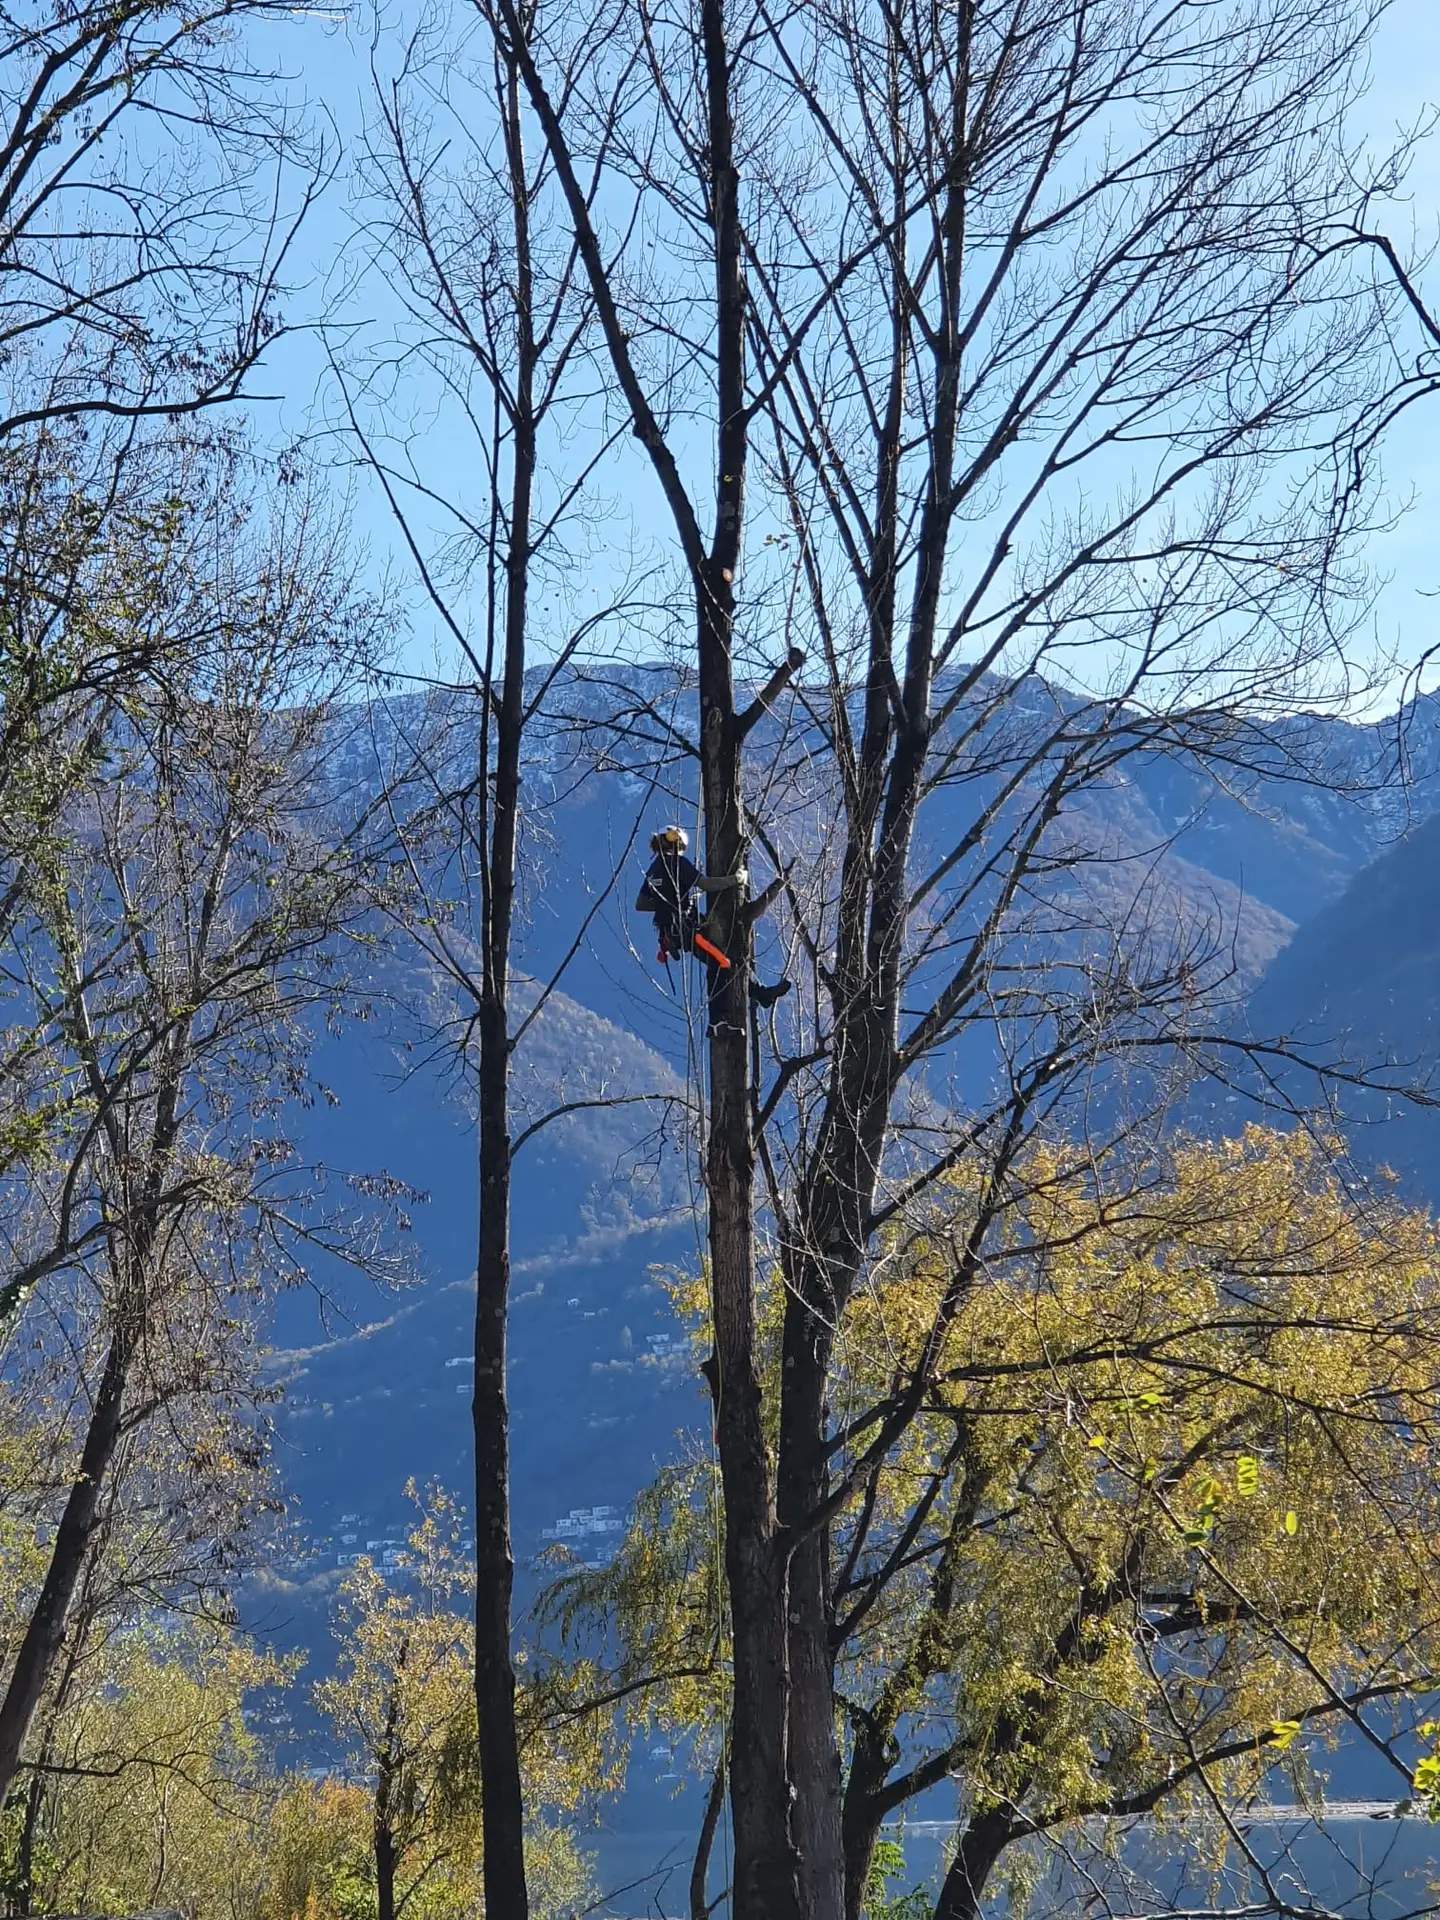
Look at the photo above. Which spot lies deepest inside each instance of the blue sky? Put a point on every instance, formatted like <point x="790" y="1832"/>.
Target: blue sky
<point x="1405" y="84"/>
<point x="328" y="67"/>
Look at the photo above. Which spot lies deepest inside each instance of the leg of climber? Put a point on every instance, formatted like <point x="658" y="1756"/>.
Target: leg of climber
<point x="715" y="979"/>
<point x="669" y="937"/>
<point x="698" y="943"/>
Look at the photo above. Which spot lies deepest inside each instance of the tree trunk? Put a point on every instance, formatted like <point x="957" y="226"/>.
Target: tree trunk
<point x="383" y="1821"/>
<point x="766" y="1870"/>
<point x="129" y="1253"/>
<point x="501" y="1800"/>
<point x="766" y="1885"/>
<point x="22" y="1887"/>
<point x="761" y="1782"/>
<point x="860" y="1822"/>
<point x="705" y="1846"/>
<point x="814" y="1755"/>
<point x="384" y="1872"/>
<point x="822" y="1255"/>
<point x="22" y="1892"/>
<point x="981" y="1845"/>
<point x="838" y="1190"/>
<point x="45" y="1631"/>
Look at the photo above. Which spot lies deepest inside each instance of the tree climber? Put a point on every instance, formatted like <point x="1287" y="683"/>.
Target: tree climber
<point x="668" y="893"/>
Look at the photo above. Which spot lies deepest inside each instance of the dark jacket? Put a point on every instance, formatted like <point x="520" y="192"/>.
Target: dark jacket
<point x="670" y="880"/>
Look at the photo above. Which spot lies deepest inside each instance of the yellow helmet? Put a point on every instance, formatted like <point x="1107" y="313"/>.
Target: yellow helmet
<point x="670" y="840"/>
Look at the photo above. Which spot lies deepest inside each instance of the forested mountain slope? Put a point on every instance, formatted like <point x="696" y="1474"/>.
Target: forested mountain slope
<point x="602" y="1197"/>
<point x="1360" y="982"/>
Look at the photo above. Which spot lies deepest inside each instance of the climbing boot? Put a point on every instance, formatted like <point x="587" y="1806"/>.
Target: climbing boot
<point x="767" y="996"/>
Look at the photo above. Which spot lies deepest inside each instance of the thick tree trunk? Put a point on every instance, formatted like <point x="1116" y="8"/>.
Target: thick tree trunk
<point x="766" y="1885"/>
<point x="761" y="1783"/>
<point x="839" y="1189"/>
<point x="382" y="1826"/>
<point x="814" y="1755"/>
<point x="45" y="1632"/>
<point x="822" y="1256"/>
<point x="501" y="1798"/>
<point x="860" y="1819"/>
<point x="981" y="1845"/>
<point x="384" y="1873"/>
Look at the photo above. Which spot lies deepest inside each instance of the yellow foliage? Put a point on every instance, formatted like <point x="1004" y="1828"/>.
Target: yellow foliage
<point x="164" y="1784"/>
<point x="1166" y="1491"/>
<point x="1176" y="1429"/>
<point x="317" y="1855"/>
<point x="402" y="1702"/>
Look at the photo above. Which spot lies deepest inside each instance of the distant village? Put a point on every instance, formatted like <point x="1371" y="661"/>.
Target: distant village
<point x="591" y="1533"/>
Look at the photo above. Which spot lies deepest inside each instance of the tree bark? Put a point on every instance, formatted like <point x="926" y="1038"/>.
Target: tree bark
<point x="761" y="1783"/>
<point x="387" y="1768"/>
<point x="981" y="1845"/>
<point x="827" y="1248"/>
<point x="705" y="1845"/>
<point x="384" y="1838"/>
<point x="501" y="1799"/>
<point x="814" y="1757"/>
<point x="384" y="1873"/>
<point x="860" y="1818"/>
<point x="766" y="1882"/>
<point x="22" y="1892"/>
<point x="131" y="1247"/>
<point x="766" y="1869"/>
<point x="45" y="1632"/>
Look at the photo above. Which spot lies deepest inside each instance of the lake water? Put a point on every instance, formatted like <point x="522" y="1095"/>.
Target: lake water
<point x="1359" y="1863"/>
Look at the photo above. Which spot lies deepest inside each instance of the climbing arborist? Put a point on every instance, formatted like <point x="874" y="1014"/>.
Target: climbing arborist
<point x="668" y="893"/>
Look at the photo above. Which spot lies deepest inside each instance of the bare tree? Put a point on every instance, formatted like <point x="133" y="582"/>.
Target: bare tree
<point x="497" y="318"/>
<point x="187" y="918"/>
<point x="646" y="128"/>
<point x="150" y="182"/>
<point x="1055" y="346"/>
<point x="1078" y="461"/>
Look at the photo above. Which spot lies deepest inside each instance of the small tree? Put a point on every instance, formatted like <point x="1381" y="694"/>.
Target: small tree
<point x="403" y="1704"/>
<point x="317" y="1862"/>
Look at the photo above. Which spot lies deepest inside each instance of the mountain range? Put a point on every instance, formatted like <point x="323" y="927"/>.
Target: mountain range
<point x="1328" y="889"/>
